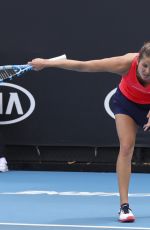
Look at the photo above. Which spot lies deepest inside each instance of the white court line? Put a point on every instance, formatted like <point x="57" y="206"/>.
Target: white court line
<point x="72" y="193"/>
<point x="73" y="226"/>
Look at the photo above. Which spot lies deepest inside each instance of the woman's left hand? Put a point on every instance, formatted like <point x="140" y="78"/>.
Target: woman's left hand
<point x="146" y="127"/>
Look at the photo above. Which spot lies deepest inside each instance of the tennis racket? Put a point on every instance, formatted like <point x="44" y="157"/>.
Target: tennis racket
<point x="10" y="71"/>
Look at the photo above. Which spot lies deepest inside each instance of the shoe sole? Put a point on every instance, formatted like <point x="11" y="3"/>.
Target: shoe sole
<point x="129" y="219"/>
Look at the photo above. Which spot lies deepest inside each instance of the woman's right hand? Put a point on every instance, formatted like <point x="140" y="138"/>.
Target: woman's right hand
<point x="38" y="63"/>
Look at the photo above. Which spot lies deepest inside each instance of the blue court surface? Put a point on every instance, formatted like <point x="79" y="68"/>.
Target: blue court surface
<point x="69" y="201"/>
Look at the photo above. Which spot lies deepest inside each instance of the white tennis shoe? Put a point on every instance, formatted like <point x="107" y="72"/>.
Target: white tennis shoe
<point x="125" y="214"/>
<point x="3" y="165"/>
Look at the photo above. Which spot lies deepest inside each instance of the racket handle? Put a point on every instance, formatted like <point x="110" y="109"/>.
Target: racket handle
<point x="61" y="57"/>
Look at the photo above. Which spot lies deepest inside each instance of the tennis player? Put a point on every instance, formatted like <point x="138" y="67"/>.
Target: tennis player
<point x="131" y="106"/>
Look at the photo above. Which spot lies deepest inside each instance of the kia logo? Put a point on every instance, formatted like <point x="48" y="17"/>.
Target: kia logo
<point x="107" y="102"/>
<point x="16" y="103"/>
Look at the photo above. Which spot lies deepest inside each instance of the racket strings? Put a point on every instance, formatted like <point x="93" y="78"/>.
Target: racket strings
<point x="7" y="73"/>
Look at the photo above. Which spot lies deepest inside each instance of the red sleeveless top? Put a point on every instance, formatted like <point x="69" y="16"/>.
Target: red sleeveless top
<point x="131" y="87"/>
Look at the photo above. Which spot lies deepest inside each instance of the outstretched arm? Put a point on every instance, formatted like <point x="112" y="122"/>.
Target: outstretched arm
<point x="119" y="65"/>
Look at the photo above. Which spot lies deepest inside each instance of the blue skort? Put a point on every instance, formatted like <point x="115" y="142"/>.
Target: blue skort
<point x="122" y="105"/>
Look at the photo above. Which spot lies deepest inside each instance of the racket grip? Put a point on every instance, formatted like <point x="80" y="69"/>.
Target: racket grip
<point x="61" y="57"/>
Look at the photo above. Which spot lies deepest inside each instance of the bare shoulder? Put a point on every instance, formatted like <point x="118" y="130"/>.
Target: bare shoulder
<point x="130" y="56"/>
<point x="125" y="62"/>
